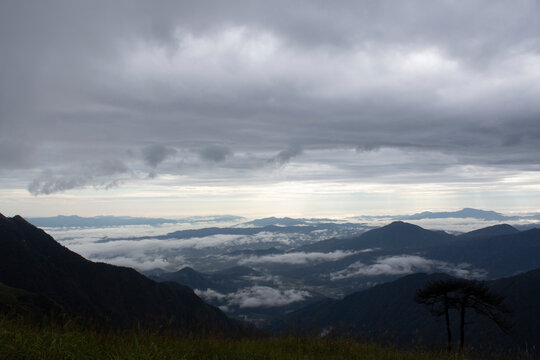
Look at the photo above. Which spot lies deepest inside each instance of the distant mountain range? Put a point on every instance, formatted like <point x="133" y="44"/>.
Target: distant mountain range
<point x="463" y="213"/>
<point x="108" y="221"/>
<point x="33" y="261"/>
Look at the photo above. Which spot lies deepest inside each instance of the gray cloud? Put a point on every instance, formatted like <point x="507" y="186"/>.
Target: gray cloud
<point x="214" y="153"/>
<point x="435" y="91"/>
<point x="15" y="154"/>
<point x="284" y="156"/>
<point x="153" y="155"/>
<point x="100" y="175"/>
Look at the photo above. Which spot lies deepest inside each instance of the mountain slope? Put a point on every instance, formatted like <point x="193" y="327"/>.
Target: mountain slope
<point x="388" y="310"/>
<point x="499" y="255"/>
<point x="18" y="302"/>
<point x="490" y="231"/>
<point x="32" y="260"/>
<point x="397" y="235"/>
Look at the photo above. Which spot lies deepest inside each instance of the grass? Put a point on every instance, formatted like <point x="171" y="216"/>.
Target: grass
<point x="21" y="341"/>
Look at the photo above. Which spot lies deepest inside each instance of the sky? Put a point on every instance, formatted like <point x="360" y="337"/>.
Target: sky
<point x="304" y="108"/>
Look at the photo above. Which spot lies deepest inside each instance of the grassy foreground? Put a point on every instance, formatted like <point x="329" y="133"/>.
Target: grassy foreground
<point x="20" y="341"/>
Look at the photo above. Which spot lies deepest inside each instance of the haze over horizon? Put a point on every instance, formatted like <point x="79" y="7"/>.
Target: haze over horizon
<point x="301" y="109"/>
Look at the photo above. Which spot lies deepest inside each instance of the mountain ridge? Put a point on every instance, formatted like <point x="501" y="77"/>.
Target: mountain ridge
<point x="32" y="260"/>
<point x="397" y="234"/>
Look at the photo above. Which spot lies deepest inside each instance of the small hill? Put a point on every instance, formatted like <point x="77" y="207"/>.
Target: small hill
<point x="490" y="231"/>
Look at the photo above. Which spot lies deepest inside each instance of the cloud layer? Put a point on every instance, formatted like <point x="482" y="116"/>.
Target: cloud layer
<point x="256" y="296"/>
<point x="407" y="264"/>
<point x="418" y="92"/>
<point x="296" y="258"/>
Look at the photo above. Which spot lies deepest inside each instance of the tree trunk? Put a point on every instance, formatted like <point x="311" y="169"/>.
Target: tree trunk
<point x="447" y="319"/>
<point x="462" y="324"/>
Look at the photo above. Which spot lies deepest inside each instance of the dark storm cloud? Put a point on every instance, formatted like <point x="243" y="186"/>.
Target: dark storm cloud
<point x="453" y="82"/>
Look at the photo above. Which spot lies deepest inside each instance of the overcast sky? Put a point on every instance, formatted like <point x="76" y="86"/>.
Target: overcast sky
<point x="278" y="108"/>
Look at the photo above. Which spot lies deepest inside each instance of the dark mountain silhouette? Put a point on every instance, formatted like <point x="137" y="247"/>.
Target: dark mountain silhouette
<point x="526" y="227"/>
<point x="19" y="302"/>
<point x="383" y="310"/>
<point x="463" y="213"/>
<point x="32" y="260"/>
<point x="397" y="235"/>
<point x="388" y="311"/>
<point x="490" y="231"/>
<point x="500" y="255"/>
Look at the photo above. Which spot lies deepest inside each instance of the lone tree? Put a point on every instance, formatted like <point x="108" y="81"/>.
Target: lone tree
<point x="440" y="297"/>
<point x="443" y="295"/>
<point x="478" y="297"/>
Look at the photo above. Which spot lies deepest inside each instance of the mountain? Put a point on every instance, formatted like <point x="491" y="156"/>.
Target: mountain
<point x="463" y="213"/>
<point x="490" y="231"/>
<point x="19" y="302"/>
<point x="286" y="221"/>
<point x="397" y="235"/>
<point x="275" y="221"/>
<point x="502" y="255"/>
<point x="32" y="260"/>
<point x="388" y="311"/>
<point x="186" y="234"/>
<point x="383" y="310"/>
